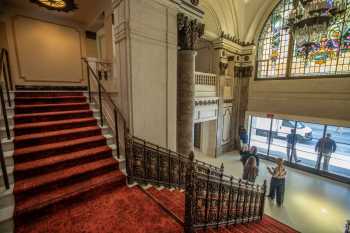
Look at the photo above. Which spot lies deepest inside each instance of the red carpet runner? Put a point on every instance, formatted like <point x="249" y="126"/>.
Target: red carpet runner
<point x="174" y="201"/>
<point x="60" y="156"/>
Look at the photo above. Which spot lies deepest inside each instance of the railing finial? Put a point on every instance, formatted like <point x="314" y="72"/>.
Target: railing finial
<point x="222" y="168"/>
<point x="191" y="156"/>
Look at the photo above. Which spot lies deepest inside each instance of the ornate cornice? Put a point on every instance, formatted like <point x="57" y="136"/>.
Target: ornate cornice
<point x="235" y="39"/>
<point x="189" y="32"/>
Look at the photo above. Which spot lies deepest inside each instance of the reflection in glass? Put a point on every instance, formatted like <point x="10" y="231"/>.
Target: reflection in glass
<point x="260" y="128"/>
<point x="339" y="162"/>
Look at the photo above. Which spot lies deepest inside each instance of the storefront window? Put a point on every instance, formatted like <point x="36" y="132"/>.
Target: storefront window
<point x="321" y="147"/>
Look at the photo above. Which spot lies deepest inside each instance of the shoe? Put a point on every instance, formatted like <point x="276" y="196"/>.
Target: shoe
<point x="298" y="160"/>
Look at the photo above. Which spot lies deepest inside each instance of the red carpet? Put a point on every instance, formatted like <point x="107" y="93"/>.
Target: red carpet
<point x="174" y="201"/>
<point x="120" y="210"/>
<point x="60" y="156"/>
<point x="67" y="181"/>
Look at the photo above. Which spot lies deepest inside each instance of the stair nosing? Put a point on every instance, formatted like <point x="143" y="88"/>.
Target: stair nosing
<point x="50" y="146"/>
<point x="99" y="164"/>
<point x="63" y="132"/>
<point x="63" y="155"/>
<point x="48" y="123"/>
<point x="112" y="176"/>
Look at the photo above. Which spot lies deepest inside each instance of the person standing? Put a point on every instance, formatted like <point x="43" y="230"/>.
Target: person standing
<point x="243" y="136"/>
<point x="325" y="147"/>
<point x="251" y="152"/>
<point x="277" y="184"/>
<point x="250" y="171"/>
<point x="291" y="143"/>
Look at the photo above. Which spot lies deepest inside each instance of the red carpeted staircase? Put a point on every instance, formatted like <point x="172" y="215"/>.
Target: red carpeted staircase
<point x="66" y="179"/>
<point x="174" y="202"/>
<point x="60" y="154"/>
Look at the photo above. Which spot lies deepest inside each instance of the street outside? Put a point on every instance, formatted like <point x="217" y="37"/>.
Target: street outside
<point x="340" y="160"/>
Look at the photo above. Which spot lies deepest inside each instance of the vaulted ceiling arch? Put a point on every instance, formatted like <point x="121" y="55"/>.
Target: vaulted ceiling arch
<point x="240" y="18"/>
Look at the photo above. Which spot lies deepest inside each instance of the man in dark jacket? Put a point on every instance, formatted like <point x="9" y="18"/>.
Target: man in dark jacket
<point x="243" y="136"/>
<point x="325" y="147"/>
<point x="291" y="143"/>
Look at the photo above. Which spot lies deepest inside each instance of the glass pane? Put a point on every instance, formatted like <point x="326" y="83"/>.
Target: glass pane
<point x="308" y="135"/>
<point x="280" y="130"/>
<point x="274" y="42"/>
<point x="339" y="161"/>
<point x="259" y="133"/>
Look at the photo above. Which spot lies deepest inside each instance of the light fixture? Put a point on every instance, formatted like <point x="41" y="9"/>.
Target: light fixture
<point x="310" y="18"/>
<point x="58" y="5"/>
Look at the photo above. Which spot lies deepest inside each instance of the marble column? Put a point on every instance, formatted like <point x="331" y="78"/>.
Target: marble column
<point x="185" y="107"/>
<point x="189" y="31"/>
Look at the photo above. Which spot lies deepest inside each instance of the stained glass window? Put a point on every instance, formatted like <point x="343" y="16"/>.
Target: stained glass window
<point x="326" y="54"/>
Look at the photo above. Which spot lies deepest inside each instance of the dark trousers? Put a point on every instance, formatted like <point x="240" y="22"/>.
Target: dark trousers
<point x="277" y="189"/>
<point x="291" y="152"/>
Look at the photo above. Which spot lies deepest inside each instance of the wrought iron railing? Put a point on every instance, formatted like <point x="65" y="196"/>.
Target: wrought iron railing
<point x="5" y="73"/>
<point x="149" y="163"/>
<point x="212" y="198"/>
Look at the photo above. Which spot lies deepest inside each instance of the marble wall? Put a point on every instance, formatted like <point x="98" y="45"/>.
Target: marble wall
<point x="145" y="41"/>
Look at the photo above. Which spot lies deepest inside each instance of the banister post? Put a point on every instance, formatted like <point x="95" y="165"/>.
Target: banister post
<point x="116" y="132"/>
<point x="219" y="196"/>
<point x="262" y="199"/>
<point x="189" y="195"/>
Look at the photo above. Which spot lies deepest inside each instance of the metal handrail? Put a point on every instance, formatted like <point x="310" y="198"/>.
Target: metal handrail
<point x="5" y="71"/>
<point x="116" y="111"/>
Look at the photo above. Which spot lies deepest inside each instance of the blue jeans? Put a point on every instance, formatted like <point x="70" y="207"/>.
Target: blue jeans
<point x="277" y="187"/>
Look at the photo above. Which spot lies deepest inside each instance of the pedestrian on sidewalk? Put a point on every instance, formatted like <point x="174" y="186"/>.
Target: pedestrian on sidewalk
<point x="325" y="147"/>
<point x="292" y="140"/>
<point x="277" y="184"/>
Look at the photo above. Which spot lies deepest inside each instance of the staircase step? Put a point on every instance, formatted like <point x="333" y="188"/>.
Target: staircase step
<point x="60" y="161"/>
<point x="34" y="108"/>
<point x="40" y="151"/>
<point x="30" y="187"/>
<point x="49" y="99"/>
<point x="68" y="194"/>
<point x="27" y="128"/>
<point x="51" y="116"/>
<point x="48" y="93"/>
<point x="55" y="136"/>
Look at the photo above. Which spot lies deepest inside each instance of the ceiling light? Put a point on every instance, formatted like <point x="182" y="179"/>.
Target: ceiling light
<point x="58" y="5"/>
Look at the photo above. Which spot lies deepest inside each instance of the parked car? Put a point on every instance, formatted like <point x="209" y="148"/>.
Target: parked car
<point x="281" y="128"/>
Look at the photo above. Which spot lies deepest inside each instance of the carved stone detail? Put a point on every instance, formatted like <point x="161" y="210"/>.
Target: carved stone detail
<point x="189" y="32"/>
<point x="195" y="2"/>
<point x="223" y="67"/>
<point x="244" y="71"/>
<point x="235" y="39"/>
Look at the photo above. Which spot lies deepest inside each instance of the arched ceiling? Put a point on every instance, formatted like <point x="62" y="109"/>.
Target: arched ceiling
<point x="240" y="18"/>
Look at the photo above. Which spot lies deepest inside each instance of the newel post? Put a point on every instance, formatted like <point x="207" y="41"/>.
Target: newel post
<point x="262" y="199"/>
<point x="189" y="195"/>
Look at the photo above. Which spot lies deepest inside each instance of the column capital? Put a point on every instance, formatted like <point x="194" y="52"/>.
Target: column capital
<point x="189" y="32"/>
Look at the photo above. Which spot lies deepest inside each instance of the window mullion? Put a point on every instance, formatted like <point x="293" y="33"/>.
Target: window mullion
<point x="290" y="54"/>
